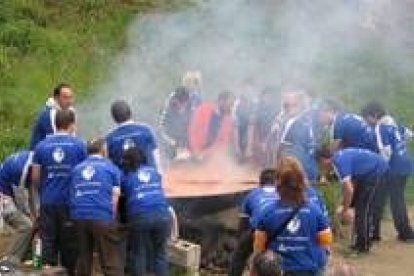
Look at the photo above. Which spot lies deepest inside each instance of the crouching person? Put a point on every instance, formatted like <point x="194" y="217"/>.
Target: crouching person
<point x="147" y="212"/>
<point x="95" y="190"/>
<point x="294" y="228"/>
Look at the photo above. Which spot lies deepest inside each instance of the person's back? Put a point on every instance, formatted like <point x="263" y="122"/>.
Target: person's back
<point x="143" y="191"/>
<point x="359" y="163"/>
<point x="92" y="184"/>
<point x="129" y="134"/>
<point x="294" y="228"/>
<point x="353" y="132"/>
<point x="298" y="242"/>
<point x="148" y="214"/>
<point x="57" y="155"/>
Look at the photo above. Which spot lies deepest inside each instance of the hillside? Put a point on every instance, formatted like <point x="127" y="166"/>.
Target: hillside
<point x="44" y="42"/>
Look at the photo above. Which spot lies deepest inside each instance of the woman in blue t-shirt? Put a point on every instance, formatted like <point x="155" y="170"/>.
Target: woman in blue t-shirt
<point x="294" y="228"/>
<point x="147" y="214"/>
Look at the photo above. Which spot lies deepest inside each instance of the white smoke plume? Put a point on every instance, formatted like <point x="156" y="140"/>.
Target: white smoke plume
<point x="346" y="48"/>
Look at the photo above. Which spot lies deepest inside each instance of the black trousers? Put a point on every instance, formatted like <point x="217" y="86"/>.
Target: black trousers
<point x="59" y="241"/>
<point x="364" y="202"/>
<point x="393" y="188"/>
<point x="241" y="254"/>
<point x="106" y="238"/>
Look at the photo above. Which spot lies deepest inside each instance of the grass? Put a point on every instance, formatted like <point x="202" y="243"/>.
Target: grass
<point x="44" y="42"/>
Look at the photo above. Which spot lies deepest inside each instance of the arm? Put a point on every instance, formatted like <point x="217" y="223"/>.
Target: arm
<point x="325" y="239"/>
<point x="260" y="241"/>
<point x="116" y="193"/>
<point x="348" y="192"/>
<point x="34" y="191"/>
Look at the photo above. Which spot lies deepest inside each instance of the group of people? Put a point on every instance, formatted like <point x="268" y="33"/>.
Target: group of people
<point x="75" y="193"/>
<point x="105" y="194"/>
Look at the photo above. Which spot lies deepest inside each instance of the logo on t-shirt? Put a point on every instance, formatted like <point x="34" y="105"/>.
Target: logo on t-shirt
<point x="58" y="155"/>
<point x="128" y="144"/>
<point x="88" y="172"/>
<point x="293" y="225"/>
<point x="144" y="176"/>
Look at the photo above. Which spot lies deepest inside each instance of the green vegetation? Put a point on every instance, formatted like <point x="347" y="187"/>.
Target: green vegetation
<point x="43" y="42"/>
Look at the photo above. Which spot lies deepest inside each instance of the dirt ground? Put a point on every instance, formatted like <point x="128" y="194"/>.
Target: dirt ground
<point x="388" y="257"/>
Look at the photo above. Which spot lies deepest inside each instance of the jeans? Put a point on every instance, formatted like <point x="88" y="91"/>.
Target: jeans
<point x="59" y="241"/>
<point x="241" y="254"/>
<point x="149" y="234"/>
<point x="107" y="239"/>
<point x="20" y="242"/>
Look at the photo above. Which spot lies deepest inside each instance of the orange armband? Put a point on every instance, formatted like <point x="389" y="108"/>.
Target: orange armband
<point x="325" y="238"/>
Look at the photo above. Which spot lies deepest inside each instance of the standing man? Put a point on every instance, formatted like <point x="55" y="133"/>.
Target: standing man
<point x="253" y="205"/>
<point x="347" y="130"/>
<point x="360" y="172"/>
<point x="129" y="134"/>
<point x="53" y="160"/>
<point x="392" y="147"/>
<point x="45" y="124"/>
<point x="95" y="191"/>
<point x="14" y="181"/>
<point x="293" y="133"/>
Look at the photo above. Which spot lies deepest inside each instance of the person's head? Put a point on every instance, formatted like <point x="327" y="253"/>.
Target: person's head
<point x="192" y="80"/>
<point x="372" y="112"/>
<point x="121" y="111"/>
<point x="324" y="155"/>
<point x="132" y="159"/>
<point x="65" y="121"/>
<point x="327" y="111"/>
<point x="266" y="264"/>
<point x="290" y="180"/>
<point x="293" y="102"/>
<point x="63" y="95"/>
<point x="181" y="97"/>
<point x="267" y="177"/>
<point x="97" y="146"/>
<point x="225" y="101"/>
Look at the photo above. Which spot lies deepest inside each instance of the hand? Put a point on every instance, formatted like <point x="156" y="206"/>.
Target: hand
<point x="347" y="215"/>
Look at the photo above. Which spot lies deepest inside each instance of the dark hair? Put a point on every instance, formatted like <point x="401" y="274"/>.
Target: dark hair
<point x="58" y="88"/>
<point x="290" y="180"/>
<point x="267" y="176"/>
<point x="182" y="94"/>
<point x="132" y="159"/>
<point x="225" y="96"/>
<point x="95" y="146"/>
<point x="64" y="118"/>
<point x="323" y="152"/>
<point x="121" y="111"/>
<point x="266" y="264"/>
<point x="374" y="109"/>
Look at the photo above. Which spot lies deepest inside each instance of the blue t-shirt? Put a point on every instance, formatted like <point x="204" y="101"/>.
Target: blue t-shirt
<point x="14" y="171"/>
<point x="129" y="135"/>
<point x="43" y="126"/>
<point x="297" y="243"/>
<point x="143" y="191"/>
<point x="359" y="164"/>
<point x="298" y="139"/>
<point x="92" y="186"/>
<point x="400" y="162"/>
<point x="254" y="203"/>
<point x="353" y="132"/>
<point x="57" y="155"/>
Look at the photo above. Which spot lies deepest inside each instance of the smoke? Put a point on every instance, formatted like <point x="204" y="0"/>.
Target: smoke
<point x="344" y="48"/>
